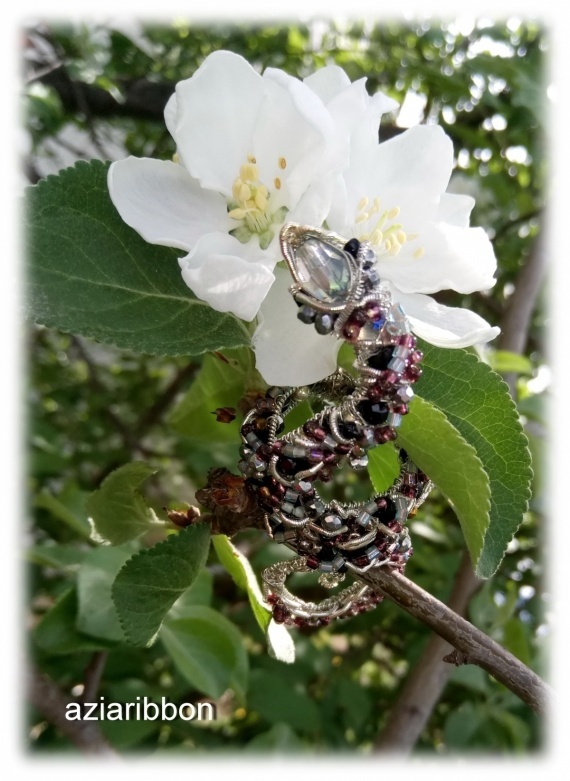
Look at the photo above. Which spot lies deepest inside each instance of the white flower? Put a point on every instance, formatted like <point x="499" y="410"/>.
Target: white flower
<point x="393" y="195"/>
<point x="253" y="150"/>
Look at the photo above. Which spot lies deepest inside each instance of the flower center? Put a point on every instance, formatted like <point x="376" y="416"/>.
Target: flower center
<point x="386" y="235"/>
<point x="251" y="204"/>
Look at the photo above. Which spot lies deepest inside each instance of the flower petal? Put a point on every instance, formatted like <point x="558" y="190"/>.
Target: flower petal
<point x="445" y="326"/>
<point x="288" y="352"/>
<point x="163" y="203"/>
<point x="230" y="276"/>
<point x="327" y="82"/>
<point x="171" y="114"/>
<point x="217" y="110"/>
<point x="460" y="259"/>
<point x="410" y="171"/>
<point x="294" y="129"/>
<point x="455" y="209"/>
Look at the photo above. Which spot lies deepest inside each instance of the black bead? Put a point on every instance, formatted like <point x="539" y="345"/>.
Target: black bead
<point x="381" y="357"/>
<point x="373" y="412"/>
<point x="306" y="315"/>
<point x="324" y="323"/>
<point x="386" y="513"/>
<point x="351" y="247"/>
<point x="348" y="429"/>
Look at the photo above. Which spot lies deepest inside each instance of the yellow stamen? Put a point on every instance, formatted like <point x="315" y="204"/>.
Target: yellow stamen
<point x="260" y="201"/>
<point x="362" y="217"/>
<point x="236" y="188"/>
<point x="393" y="212"/>
<point x="282" y="162"/>
<point x="401" y="236"/>
<point x="362" y="204"/>
<point x="251" y="159"/>
<point x="237" y="214"/>
<point x="249" y="172"/>
<point x="419" y="253"/>
<point x="277" y="183"/>
<point x="377" y="237"/>
<point x="244" y="193"/>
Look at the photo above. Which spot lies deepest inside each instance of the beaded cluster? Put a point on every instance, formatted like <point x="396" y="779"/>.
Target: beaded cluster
<point x="337" y="290"/>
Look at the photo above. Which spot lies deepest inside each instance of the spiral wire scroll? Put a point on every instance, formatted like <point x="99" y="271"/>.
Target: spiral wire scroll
<point x="339" y="292"/>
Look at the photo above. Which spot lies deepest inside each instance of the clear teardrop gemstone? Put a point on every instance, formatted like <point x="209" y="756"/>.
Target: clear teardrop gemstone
<point x="323" y="270"/>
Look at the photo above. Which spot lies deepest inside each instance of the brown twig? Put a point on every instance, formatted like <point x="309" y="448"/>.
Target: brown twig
<point x="478" y="648"/>
<point x="47" y="697"/>
<point x="429" y="676"/>
<point x="93" y="673"/>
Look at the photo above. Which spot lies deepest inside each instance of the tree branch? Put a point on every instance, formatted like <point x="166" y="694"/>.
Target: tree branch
<point x="428" y="678"/>
<point x="227" y="499"/>
<point x="93" y="673"/>
<point x="476" y="646"/>
<point x="47" y="697"/>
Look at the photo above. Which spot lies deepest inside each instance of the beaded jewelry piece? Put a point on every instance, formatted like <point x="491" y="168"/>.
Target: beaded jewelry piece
<point x="338" y="291"/>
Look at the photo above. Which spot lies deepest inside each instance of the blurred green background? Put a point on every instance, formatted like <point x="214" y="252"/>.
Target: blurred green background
<point x="96" y="91"/>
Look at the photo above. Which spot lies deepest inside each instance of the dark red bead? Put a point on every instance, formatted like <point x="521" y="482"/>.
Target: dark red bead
<point x="330" y="458"/>
<point x="416" y="356"/>
<point x="375" y="393"/>
<point x="316" y="455"/>
<point x="351" y="331"/>
<point x="400" y="409"/>
<point x="388" y="378"/>
<point x="287" y="466"/>
<point x="407" y="340"/>
<point x="272" y="599"/>
<point x="277" y="446"/>
<point x="385" y="434"/>
<point x="280" y="613"/>
<point x="412" y="373"/>
<point x="312" y="562"/>
<point x="361" y="561"/>
<point x="373" y="311"/>
<point x="343" y="449"/>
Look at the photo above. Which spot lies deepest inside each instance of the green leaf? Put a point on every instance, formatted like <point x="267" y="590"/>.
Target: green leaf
<point x="199" y="593"/>
<point x="436" y="446"/>
<point x="515" y="640"/>
<point x="477" y="402"/>
<point x="461" y="724"/>
<point x="503" y="361"/>
<point x="240" y="569"/>
<point x="60" y="510"/>
<point x="57" y="634"/>
<point x="277" y="701"/>
<point x="91" y="274"/>
<point x="221" y="382"/>
<point x="280" y="739"/>
<point x="208" y="651"/>
<point x="118" y="512"/>
<point x="280" y="642"/>
<point x="383" y="467"/>
<point x="55" y="556"/>
<point x="97" y="614"/>
<point x="154" y="578"/>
